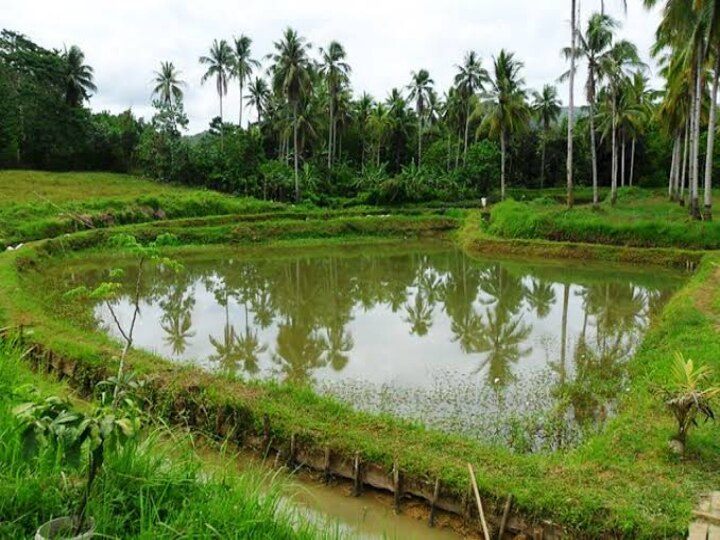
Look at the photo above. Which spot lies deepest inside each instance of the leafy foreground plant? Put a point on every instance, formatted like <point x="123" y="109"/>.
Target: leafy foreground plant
<point x="54" y="422"/>
<point x="689" y="396"/>
<point x="151" y="486"/>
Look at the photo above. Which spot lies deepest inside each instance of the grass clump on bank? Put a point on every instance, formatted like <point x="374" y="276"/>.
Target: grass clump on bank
<point x="152" y="487"/>
<point x="639" y="219"/>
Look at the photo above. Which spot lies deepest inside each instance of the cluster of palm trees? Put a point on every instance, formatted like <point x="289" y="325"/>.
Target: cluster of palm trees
<point x="688" y="50"/>
<point x="290" y="102"/>
<point x="617" y="93"/>
<point x="301" y="89"/>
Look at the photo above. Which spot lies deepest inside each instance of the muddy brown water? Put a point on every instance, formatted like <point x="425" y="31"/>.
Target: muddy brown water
<point x="331" y="505"/>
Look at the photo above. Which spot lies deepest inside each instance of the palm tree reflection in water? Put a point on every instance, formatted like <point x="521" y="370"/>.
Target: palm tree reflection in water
<point x="440" y="337"/>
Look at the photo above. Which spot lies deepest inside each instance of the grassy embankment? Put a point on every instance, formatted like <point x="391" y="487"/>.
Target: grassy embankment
<point x="155" y="487"/>
<point x="639" y="219"/>
<point x="38" y="205"/>
<point x="622" y="481"/>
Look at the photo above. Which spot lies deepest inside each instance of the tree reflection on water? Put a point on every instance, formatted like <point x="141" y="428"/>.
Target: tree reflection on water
<point x="409" y="319"/>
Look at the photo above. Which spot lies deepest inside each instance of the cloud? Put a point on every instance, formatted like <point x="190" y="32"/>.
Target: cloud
<point x="385" y="40"/>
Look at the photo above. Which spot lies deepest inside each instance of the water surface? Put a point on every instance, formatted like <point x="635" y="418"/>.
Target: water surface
<point x="526" y="353"/>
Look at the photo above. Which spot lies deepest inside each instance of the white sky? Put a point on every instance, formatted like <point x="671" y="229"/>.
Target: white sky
<point x="125" y="41"/>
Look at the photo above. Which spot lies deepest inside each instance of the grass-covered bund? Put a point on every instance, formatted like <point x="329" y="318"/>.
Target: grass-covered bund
<point x="622" y="482"/>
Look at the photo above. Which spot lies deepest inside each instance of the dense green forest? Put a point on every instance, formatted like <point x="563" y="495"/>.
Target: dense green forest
<point x="413" y="145"/>
<point x="314" y="137"/>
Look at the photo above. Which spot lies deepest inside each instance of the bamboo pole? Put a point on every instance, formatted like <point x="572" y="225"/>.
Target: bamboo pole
<point x="486" y="533"/>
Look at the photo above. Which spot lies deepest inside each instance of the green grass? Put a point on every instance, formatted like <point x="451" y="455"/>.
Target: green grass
<point x="639" y="219"/>
<point x="35" y="205"/>
<point x="155" y="487"/>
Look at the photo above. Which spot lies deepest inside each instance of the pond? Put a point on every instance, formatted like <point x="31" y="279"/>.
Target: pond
<point x="526" y="353"/>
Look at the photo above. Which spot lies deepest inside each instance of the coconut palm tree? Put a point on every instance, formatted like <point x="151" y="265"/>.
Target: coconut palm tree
<point x="546" y="107"/>
<point x="470" y="79"/>
<point x="243" y="65"/>
<point x="399" y="124"/>
<point x="615" y="65"/>
<point x="168" y="85"/>
<point x="379" y="127"/>
<point x="640" y="104"/>
<point x="687" y="28"/>
<point x="504" y="110"/>
<point x="292" y="80"/>
<point x="79" y="84"/>
<point x="420" y="90"/>
<point x="594" y="45"/>
<point x="571" y="102"/>
<point x="219" y="65"/>
<point x="258" y="97"/>
<point x="363" y="110"/>
<point x="336" y="72"/>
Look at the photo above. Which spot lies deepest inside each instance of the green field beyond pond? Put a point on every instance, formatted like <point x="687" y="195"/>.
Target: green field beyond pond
<point x="372" y="331"/>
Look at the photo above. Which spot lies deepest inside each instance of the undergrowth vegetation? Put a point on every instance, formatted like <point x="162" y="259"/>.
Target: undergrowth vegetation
<point x="154" y="486"/>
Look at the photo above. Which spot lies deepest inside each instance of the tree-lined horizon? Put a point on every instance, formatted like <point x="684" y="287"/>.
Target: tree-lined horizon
<point x="313" y="133"/>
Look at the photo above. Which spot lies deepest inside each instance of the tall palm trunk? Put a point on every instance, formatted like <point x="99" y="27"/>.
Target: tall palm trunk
<point x="695" y="206"/>
<point x="684" y="170"/>
<point x="222" y="130"/>
<point x="295" y="152"/>
<point x="678" y="166"/>
<point x="707" y="210"/>
<point x="467" y="131"/>
<point x="449" y="150"/>
<point x="419" y="161"/>
<point x="593" y="153"/>
<point x="632" y="160"/>
<point x="241" y="103"/>
<point x="622" y="162"/>
<point x="330" y="132"/>
<point x="542" y="158"/>
<point x="671" y="178"/>
<point x="503" y="145"/>
<point x="362" y="152"/>
<point x="613" y="181"/>
<point x="571" y="110"/>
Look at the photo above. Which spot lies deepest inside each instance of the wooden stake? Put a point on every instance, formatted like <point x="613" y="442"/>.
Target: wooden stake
<point x="466" y="506"/>
<point x="357" y="486"/>
<point x="397" y="487"/>
<point x="505" y="515"/>
<point x="326" y="465"/>
<point x="436" y="492"/>
<point x="486" y="533"/>
<point x="293" y="452"/>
